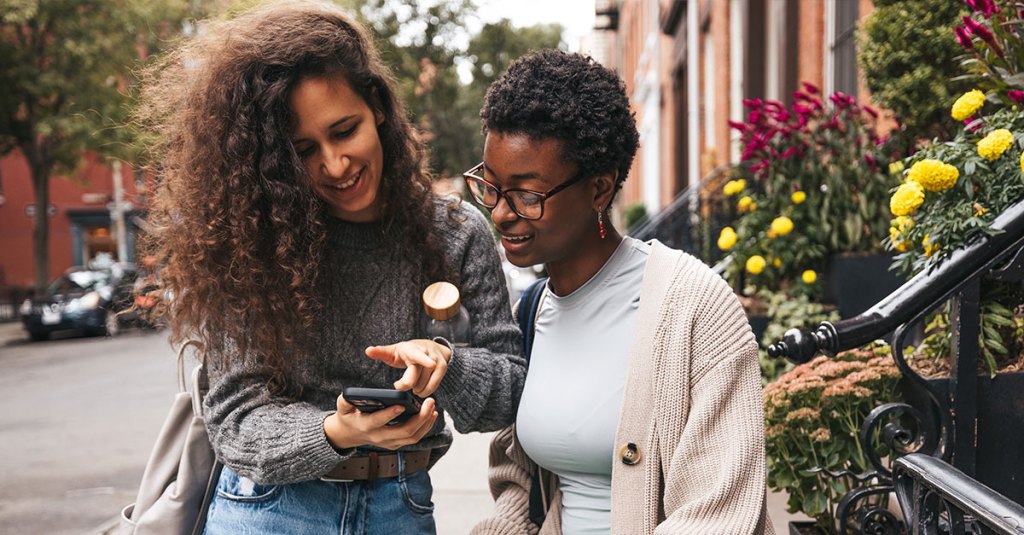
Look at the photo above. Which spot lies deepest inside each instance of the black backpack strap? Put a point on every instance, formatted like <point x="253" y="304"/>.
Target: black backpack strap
<point x="527" y="315"/>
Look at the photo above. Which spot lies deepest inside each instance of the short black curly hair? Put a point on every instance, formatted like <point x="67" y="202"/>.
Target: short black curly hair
<point x="569" y="97"/>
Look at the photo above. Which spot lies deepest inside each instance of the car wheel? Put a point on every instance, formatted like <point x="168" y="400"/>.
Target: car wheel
<point x="39" y="336"/>
<point x="112" y="326"/>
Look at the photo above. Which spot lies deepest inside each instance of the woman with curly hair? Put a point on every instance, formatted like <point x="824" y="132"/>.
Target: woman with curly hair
<point x="297" y="228"/>
<point x="642" y="410"/>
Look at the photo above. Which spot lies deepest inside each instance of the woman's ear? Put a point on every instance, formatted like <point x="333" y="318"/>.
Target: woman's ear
<point x="604" y="189"/>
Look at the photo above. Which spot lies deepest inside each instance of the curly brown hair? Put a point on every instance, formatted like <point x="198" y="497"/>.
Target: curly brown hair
<point x="238" y="229"/>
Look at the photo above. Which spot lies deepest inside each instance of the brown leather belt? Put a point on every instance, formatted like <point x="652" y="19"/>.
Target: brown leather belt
<point x="374" y="465"/>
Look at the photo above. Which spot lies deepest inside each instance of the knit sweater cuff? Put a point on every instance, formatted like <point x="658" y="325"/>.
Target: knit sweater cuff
<point x="316" y="449"/>
<point x="459" y="370"/>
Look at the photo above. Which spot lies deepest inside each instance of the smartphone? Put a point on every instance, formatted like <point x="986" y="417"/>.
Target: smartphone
<point x="375" y="399"/>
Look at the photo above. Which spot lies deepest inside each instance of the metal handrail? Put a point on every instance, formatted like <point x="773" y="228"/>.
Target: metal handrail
<point x="916" y="295"/>
<point x="927" y="487"/>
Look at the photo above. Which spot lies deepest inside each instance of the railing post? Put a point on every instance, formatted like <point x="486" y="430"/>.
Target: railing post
<point x="965" y="319"/>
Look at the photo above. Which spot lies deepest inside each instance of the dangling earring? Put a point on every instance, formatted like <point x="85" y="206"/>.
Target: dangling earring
<point x="600" y="223"/>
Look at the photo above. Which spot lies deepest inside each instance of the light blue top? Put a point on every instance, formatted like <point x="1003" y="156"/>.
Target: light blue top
<point x="573" y="394"/>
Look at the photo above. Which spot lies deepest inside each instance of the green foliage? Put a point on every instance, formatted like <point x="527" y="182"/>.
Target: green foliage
<point x="634" y="213"/>
<point x="421" y="39"/>
<point x="787" y="312"/>
<point x="994" y="61"/>
<point x="66" y="65"/>
<point x="908" y="54"/>
<point x="813" y="415"/>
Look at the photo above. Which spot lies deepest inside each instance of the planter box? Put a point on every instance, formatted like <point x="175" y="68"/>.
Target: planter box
<point x="856" y="282"/>
<point x="804" y="527"/>
<point x="758" y="324"/>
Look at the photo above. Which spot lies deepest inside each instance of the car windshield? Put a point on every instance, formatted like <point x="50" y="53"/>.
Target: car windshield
<point x="78" y="282"/>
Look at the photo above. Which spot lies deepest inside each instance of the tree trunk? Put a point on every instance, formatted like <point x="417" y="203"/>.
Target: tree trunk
<point x="41" y="232"/>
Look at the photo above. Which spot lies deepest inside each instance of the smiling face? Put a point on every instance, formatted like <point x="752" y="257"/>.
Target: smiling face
<point x="336" y="137"/>
<point x="569" y="221"/>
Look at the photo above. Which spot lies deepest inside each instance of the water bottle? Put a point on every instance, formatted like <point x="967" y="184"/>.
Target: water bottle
<point x="445" y="316"/>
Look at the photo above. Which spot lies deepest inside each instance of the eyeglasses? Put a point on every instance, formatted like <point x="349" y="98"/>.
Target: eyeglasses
<point x="527" y="204"/>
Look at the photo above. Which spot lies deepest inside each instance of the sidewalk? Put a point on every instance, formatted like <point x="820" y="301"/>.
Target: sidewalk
<point x="12" y="332"/>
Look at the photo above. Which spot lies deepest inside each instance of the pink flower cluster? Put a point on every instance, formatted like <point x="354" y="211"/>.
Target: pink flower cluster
<point x="852" y="377"/>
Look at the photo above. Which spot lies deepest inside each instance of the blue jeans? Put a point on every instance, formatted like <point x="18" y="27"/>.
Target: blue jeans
<point x="398" y="505"/>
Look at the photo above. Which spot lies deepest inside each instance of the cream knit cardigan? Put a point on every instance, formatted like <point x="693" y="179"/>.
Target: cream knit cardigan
<point x="692" y="405"/>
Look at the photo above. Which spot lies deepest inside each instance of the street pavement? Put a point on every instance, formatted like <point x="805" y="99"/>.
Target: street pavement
<point x="78" y="417"/>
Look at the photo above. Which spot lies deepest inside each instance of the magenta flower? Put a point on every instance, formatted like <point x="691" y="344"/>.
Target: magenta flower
<point x="871" y="111"/>
<point x="742" y="127"/>
<point x="1016" y="95"/>
<point x="985" y="7"/>
<point x="963" y="37"/>
<point x="810" y="88"/>
<point x="982" y="32"/>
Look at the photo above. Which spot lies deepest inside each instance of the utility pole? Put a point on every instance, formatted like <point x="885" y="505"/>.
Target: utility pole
<point x="117" y="210"/>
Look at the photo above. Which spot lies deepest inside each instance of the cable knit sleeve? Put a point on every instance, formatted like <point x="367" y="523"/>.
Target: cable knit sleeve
<point x="510" y="480"/>
<point x="270" y="440"/>
<point x="715" y="481"/>
<point x="484" y="381"/>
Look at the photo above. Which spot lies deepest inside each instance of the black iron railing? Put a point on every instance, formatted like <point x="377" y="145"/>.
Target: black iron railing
<point x="942" y="499"/>
<point x="942" y="419"/>
<point x="690" y="223"/>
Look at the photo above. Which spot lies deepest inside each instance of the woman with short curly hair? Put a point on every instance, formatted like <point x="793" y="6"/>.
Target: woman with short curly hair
<point x="296" y="228"/>
<point x="642" y="409"/>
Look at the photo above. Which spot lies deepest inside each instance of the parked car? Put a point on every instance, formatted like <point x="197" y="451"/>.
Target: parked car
<point x="85" y="299"/>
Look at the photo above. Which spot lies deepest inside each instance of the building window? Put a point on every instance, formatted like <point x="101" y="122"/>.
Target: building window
<point x="843" y="45"/>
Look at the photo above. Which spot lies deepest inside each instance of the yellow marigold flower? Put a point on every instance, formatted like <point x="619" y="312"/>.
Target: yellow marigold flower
<point x="733" y="187"/>
<point x="1022" y="162"/>
<point x="809" y="276"/>
<point x="798" y="197"/>
<point x="993" y="146"/>
<point x="755" y="264"/>
<point x="908" y="197"/>
<point x="979" y="210"/>
<point x="929" y="248"/>
<point x="900" y="245"/>
<point x="967" y="104"/>
<point x="746" y="204"/>
<point x="782" y="225"/>
<point x="727" y="239"/>
<point x="896" y="167"/>
<point x="777" y="262"/>
<point x="902" y="223"/>
<point x="933" y="174"/>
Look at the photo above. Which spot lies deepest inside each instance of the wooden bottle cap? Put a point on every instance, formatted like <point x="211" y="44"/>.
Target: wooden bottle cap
<point x="441" y="301"/>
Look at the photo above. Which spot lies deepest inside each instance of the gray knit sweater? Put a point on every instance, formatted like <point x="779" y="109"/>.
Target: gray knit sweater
<point x="371" y="295"/>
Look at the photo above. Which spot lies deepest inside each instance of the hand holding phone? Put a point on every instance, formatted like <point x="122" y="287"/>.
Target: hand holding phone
<point x="369" y="400"/>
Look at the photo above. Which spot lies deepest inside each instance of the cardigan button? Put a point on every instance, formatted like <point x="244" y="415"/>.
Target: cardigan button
<point x="630" y="454"/>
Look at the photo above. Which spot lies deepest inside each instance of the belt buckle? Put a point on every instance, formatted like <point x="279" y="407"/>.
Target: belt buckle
<point x="332" y="480"/>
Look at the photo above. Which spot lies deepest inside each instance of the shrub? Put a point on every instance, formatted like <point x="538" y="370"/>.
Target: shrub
<point x="813" y="415"/>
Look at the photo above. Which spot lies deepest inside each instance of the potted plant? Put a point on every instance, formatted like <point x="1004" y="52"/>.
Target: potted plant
<point x="813" y="414"/>
<point x="951" y="192"/>
<point x="809" y="189"/>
